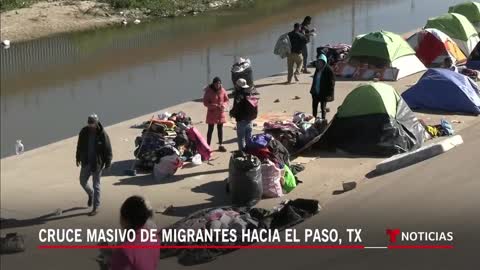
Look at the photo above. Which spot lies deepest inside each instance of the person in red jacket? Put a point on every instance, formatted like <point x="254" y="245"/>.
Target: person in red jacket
<point x="216" y="101"/>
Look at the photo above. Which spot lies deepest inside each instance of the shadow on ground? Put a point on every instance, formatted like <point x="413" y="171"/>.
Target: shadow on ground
<point x="19" y="223"/>
<point x="217" y="191"/>
<point x="148" y="179"/>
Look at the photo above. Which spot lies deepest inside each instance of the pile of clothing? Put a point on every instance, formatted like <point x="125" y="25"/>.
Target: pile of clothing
<point x="296" y="133"/>
<point x="276" y="173"/>
<point x="440" y="130"/>
<point x="286" y="215"/>
<point x="335" y="53"/>
<point x="166" y="142"/>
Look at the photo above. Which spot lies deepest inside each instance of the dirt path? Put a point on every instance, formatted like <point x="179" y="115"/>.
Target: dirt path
<point x="46" y="18"/>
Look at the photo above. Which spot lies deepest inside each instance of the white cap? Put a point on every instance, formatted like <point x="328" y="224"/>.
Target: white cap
<point x="242" y="83"/>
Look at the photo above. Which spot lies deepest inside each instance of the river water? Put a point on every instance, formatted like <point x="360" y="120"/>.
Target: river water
<point x="49" y="86"/>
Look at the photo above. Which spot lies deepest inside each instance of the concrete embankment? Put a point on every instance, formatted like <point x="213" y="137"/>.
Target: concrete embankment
<point x="35" y="184"/>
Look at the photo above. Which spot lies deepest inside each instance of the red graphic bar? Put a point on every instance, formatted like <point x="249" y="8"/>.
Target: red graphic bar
<point x="201" y="247"/>
<point x="420" y="247"/>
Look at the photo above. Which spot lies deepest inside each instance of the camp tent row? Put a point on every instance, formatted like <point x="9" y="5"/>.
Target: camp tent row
<point x="387" y="56"/>
<point x="375" y="120"/>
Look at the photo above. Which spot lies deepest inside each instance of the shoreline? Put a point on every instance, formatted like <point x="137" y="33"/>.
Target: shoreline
<point x="48" y="18"/>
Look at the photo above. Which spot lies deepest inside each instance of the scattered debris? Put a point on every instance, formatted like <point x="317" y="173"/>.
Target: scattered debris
<point x="276" y="100"/>
<point x="166" y="210"/>
<point x="124" y="22"/>
<point x="457" y="121"/>
<point x="6" y="44"/>
<point x="347" y="186"/>
<point x="137" y="21"/>
<point x="296" y="98"/>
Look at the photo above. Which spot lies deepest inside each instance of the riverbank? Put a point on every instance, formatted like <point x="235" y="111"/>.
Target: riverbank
<point x="45" y="18"/>
<point x="50" y="173"/>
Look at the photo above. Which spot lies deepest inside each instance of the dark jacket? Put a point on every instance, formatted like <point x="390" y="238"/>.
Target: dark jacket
<point x="242" y="109"/>
<point x="103" y="148"/>
<point x="297" y="41"/>
<point x="327" y="84"/>
<point x="306" y="31"/>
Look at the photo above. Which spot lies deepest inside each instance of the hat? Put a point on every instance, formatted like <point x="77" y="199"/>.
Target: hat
<point x="242" y="83"/>
<point x="323" y="58"/>
<point x="216" y="80"/>
<point x="92" y="119"/>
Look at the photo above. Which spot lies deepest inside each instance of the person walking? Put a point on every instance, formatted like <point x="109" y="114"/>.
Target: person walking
<point x="295" y="58"/>
<point x="308" y="32"/>
<point x="136" y="214"/>
<point x="244" y="110"/>
<point x="94" y="153"/>
<point x="216" y="101"/>
<point x="323" y="86"/>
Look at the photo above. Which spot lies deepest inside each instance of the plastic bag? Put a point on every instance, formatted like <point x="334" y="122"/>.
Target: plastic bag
<point x="245" y="179"/>
<point x="167" y="167"/>
<point x="197" y="160"/>
<point x="289" y="183"/>
<point x="271" y="180"/>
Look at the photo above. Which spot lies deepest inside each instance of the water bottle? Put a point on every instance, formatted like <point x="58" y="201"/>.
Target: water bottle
<point x="19" y="148"/>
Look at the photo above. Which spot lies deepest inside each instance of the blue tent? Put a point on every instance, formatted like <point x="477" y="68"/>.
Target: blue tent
<point x="444" y="90"/>
<point x="473" y="61"/>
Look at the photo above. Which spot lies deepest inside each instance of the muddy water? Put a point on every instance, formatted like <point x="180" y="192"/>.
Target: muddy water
<point x="49" y="86"/>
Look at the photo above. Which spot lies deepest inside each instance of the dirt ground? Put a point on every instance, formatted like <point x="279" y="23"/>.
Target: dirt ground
<point x="52" y="17"/>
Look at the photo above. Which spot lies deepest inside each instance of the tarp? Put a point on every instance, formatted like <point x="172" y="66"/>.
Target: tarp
<point x="432" y="46"/>
<point x="359" y="129"/>
<point x="469" y="9"/>
<point x="444" y="90"/>
<point x="383" y="45"/>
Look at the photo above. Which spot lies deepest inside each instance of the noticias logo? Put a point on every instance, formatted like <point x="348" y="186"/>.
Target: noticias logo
<point x="396" y="234"/>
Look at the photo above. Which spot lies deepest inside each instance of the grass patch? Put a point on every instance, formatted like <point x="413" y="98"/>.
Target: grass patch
<point x="6" y="5"/>
<point x="165" y="8"/>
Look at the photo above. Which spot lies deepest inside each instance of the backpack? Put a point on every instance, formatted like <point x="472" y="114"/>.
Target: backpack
<point x="283" y="46"/>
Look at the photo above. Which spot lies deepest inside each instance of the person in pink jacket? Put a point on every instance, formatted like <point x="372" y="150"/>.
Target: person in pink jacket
<point x="136" y="214"/>
<point x="216" y="101"/>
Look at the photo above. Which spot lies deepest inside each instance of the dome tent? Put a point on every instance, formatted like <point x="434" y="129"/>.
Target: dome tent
<point x="385" y="49"/>
<point x="444" y="90"/>
<point x="458" y="28"/>
<point x="471" y="10"/>
<point x="433" y="46"/>
<point x="374" y="120"/>
<point x="473" y="61"/>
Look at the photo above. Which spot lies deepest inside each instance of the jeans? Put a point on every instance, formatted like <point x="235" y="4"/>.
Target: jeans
<point x="305" y="56"/>
<point x="219" y="131"/>
<point x="244" y="132"/>
<point x="323" y="107"/>
<point x="294" y="59"/>
<point x="85" y="173"/>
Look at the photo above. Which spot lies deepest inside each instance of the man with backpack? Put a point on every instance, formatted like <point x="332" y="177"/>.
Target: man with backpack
<point x="244" y="110"/>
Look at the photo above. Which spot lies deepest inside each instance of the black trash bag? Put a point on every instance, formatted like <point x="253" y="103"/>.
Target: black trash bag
<point x="242" y="70"/>
<point x="245" y="179"/>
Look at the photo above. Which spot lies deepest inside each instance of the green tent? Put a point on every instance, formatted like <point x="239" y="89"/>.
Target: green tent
<point x="382" y="45"/>
<point x="454" y="25"/>
<point x="470" y="9"/>
<point x="373" y="98"/>
<point x="374" y="120"/>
